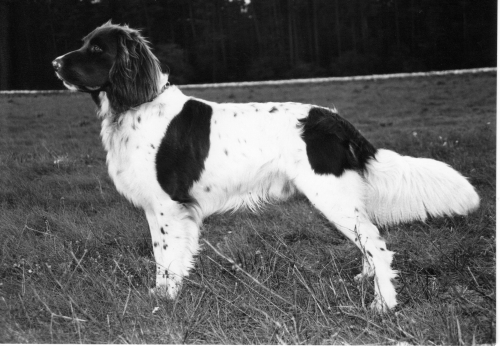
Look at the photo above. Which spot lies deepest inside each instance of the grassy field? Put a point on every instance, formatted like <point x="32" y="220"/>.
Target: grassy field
<point x="76" y="260"/>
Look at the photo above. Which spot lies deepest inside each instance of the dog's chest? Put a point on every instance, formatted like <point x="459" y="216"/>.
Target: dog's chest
<point x="132" y="141"/>
<point x="131" y="152"/>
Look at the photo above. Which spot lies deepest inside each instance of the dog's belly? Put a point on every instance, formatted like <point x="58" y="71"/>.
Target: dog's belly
<point x="225" y="190"/>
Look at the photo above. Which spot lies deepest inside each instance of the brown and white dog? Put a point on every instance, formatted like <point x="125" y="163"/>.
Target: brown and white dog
<point x="182" y="159"/>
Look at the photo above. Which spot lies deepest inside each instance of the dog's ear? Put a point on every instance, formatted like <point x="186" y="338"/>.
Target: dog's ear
<point x="135" y="75"/>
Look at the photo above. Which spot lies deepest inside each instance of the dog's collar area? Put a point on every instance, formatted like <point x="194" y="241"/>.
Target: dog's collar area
<point x="165" y="87"/>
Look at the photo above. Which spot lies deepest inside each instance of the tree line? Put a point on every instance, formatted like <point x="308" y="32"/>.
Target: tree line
<point x="234" y="40"/>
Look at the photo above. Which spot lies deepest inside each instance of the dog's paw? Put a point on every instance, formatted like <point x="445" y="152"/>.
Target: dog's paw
<point x="364" y="275"/>
<point x="160" y="292"/>
<point x="360" y="277"/>
<point x="382" y="306"/>
<point x="168" y="290"/>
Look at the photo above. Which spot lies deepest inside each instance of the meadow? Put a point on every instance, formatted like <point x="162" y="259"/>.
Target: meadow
<point x="76" y="259"/>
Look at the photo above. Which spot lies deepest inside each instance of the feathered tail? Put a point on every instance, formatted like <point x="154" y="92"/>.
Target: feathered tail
<point x="403" y="188"/>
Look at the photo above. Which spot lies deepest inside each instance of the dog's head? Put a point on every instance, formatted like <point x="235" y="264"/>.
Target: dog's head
<point x="115" y="59"/>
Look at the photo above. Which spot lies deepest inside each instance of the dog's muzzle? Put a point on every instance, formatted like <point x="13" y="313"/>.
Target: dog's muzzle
<point x="57" y="64"/>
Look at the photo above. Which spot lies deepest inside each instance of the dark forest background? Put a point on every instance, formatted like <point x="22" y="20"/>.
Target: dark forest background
<point x="236" y="40"/>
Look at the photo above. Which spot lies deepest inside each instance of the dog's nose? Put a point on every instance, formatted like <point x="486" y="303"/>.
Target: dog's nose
<point x="56" y="64"/>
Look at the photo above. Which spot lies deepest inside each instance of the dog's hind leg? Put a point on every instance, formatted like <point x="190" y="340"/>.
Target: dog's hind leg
<point x="174" y="232"/>
<point x="340" y="199"/>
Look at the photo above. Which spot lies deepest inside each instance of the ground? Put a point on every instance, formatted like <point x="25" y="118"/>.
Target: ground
<point x="76" y="258"/>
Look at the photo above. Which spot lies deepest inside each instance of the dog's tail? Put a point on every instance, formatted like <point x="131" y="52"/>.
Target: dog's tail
<point x="403" y="188"/>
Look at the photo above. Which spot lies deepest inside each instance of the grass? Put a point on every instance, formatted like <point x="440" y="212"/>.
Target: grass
<point x="76" y="260"/>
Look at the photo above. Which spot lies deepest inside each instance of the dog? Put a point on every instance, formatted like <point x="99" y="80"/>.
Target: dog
<point x="182" y="159"/>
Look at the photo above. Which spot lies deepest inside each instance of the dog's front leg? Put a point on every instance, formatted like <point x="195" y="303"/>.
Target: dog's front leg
<point x="174" y="234"/>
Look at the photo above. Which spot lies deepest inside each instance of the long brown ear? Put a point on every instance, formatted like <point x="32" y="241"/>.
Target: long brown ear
<point x="135" y="74"/>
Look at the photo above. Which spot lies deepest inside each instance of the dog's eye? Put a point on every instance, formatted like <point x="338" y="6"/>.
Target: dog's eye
<point x="95" y="49"/>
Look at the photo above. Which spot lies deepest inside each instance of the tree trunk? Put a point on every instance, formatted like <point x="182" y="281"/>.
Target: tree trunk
<point x="222" y="37"/>
<point x="257" y="28"/>
<point x="191" y="20"/>
<point x="315" y="31"/>
<point x="412" y="20"/>
<point x="354" y="38"/>
<point x="464" y="25"/>
<point x="290" y="34"/>
<point x="5" y="56"/>
<point x="396" y="18"/>
<point x="214" y="47"/>
<point x="337" y="28"/>
<point x="364" y="27"/>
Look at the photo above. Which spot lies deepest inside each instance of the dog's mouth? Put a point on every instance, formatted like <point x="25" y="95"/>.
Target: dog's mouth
<point x="92" y="88"/>
<point x="75" y="87"/>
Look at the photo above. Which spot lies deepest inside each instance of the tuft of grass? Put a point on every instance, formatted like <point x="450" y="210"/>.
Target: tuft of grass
<point x="76" y="262"/>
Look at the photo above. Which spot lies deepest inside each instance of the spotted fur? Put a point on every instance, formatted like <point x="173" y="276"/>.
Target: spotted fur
<point x="181" y="159"/>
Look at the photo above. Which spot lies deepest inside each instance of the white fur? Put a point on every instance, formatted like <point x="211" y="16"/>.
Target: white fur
<point x="258" y="156"/>
<point x="403" y="188"/>
<point x="252" y="155"/>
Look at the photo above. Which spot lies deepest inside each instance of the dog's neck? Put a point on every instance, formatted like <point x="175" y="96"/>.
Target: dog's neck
<point x="104" y="106"/>
<point x="102" y="101"/>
